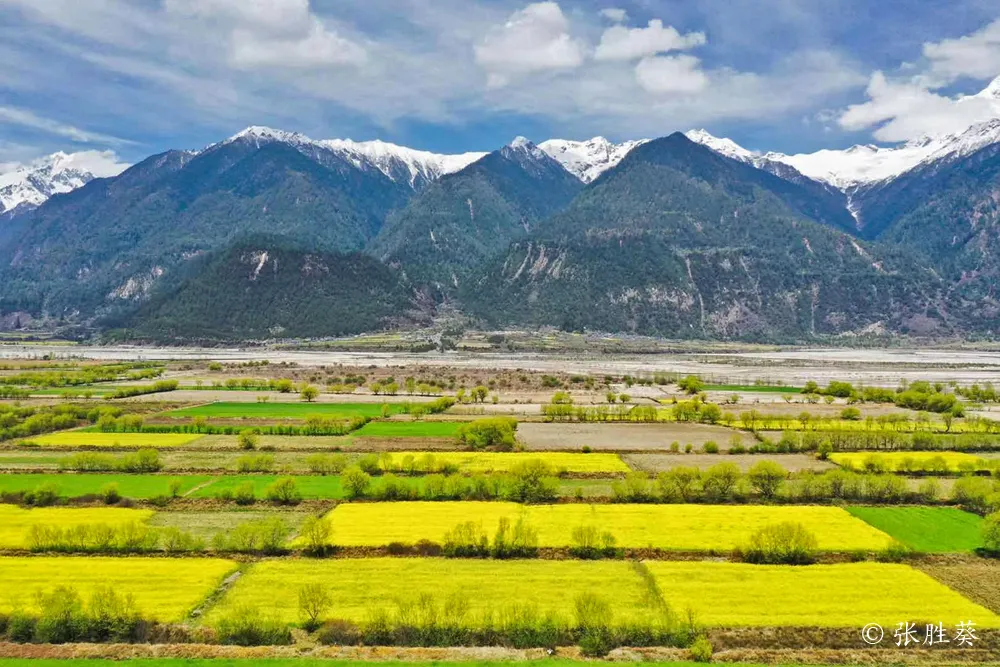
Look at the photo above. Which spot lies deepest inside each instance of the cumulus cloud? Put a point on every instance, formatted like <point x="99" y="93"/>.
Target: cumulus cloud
<point x="976" y="56"/>
<point x="621" y="43"/>
<point x="679" y="74"/>
<point x="533" y="39"/>
<point x="273" y="33"/>
<point x="904" y="110"/>
<point x="614" y="14"/>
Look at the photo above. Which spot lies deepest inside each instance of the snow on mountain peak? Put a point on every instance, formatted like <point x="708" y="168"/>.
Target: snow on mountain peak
<point x="30" y="185"/>
<point x="859" y="165"/>
<point x="588" y="159"/>
<point x="396" y="162"/>
<point x="722" y="145"/>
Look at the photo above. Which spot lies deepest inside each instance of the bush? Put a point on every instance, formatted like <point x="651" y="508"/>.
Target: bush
<point x="109" y="494"/>
<point x="496" y="433"/>
<point x="61" y="618"/>
<point x="20" y="627"/>
<point x="356" y="482"/>
<point x="244" y="494"/>
<point x="679" y="483"/>
<point x="284" y="492"/>
<point x="850" y="414"/>
<point x="246" y="626"/>
<point x="711" y="447"/>
<point x="532" y="482"/>
<point x="787" y="543"/>
<point x="323" y="464"/>
<point x="991" y="532"/>
<point x="316" y="533"/>
<point x="973" y="493"/>
<point x="266" y="536"/>
<point x="590" y="543"/>
<point x="719" y="481"/>
<point x="369" y="464"/>
<point x="466" y="540"/>
<point x="247" y="439"/>
<point x="766" y="477"/>
<point x="43" y="495"/>
<point x="521" y="541"/>
<point x="255" y="463"/>
<point x="701" y="649"/>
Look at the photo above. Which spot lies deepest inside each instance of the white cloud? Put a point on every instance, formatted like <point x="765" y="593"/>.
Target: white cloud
<point x="976" y="55"/>
<point x="533" y="39"/>
<point x="424" y="62"/>
<point x="614" y="14"/>
<point x="272" y="33"/>
<point x="621" y="43"/>
<point x="910" y="105"/>
<point x="29" y="119"/>
<point x="317" y="48"/>
<point x="904" y="110"/>
<point x="671" y="74"/>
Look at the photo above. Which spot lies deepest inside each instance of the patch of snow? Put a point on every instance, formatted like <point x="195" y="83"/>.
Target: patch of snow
<point x="588" y="159"/>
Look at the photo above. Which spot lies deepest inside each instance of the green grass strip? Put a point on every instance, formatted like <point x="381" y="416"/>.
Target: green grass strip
<point x="926" y="529"/>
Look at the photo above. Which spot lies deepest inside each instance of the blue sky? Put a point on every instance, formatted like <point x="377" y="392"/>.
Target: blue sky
<point x="140" y="76"/>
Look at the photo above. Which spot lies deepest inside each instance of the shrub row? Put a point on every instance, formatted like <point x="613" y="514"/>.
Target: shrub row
<point x="769" y="481"/>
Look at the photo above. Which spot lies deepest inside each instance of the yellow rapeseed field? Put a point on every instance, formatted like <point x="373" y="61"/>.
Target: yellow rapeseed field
<point x="843" y="595"/>
<point x="165" y="589"/>
<point x="502" y="462"/>
<point x="719" y="594"/>
<point x="907" y="461"/>
<point x="360" y="586"/>
<point x="16" y="522"/>
<point x="99" y="439"/>
<point x="678" y="527"/>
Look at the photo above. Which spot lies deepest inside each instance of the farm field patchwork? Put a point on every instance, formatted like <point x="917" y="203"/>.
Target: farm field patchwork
<point x="409" y="429"/>
<point x="842" y="595"/>
<point x="676" y="527"/>
<point x="911" y="461"/>
<point x="926" y="529"/>
<point x="503" y="462"/>
<point x="165" y="589"/>
<point x="85" y="484"/>
<point x="100" y="439"/>
<point x="236" y="410"/>
<point x="16" y="522"/>
<point x="361" y="586"/>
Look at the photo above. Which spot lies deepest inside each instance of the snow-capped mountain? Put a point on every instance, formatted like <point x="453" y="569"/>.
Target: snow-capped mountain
<point x="399" y="163"/>
<point x="588" y="159"/>
<point x="24" y="187"/>
<point x="860" y="165"/>
<point x="866" y="164"/>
